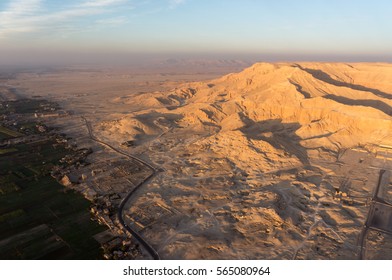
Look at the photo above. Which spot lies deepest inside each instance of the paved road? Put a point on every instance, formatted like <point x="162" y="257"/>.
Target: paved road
<point x="133" y="232"/>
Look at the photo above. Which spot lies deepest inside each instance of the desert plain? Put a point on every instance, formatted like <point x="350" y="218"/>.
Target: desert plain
<point x="274" y="161"/>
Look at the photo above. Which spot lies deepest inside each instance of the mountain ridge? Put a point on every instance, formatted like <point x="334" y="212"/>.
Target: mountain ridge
<point x="331" y="105"/>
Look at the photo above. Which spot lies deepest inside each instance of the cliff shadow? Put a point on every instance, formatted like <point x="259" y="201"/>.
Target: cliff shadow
<point x="376" y="104"/>
<point x="278" y="134"/>
<point x="322" y="76"/>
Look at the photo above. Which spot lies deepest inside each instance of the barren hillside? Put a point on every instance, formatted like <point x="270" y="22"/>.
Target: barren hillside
<point x="290" y="107"/>
<point x="276" y="161"/>
<point x="279" y="161"/>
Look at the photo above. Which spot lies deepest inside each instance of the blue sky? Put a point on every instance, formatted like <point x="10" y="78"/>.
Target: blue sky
<point x="297" y="27"/>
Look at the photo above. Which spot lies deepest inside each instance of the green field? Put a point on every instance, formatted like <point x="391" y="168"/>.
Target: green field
<point x="8" y="150"/>
<point x="4" y="136"/>
<point x="6" y="133"/>
<point x="28" y="106"/>
<point x="39" y="218"/>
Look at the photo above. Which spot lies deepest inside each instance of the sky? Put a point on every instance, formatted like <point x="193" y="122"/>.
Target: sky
<point x="297" y="29"/>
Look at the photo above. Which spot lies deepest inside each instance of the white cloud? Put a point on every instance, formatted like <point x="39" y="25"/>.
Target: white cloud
<point x="11" y="19"/>
<point x="21" y="7"/>
<point x="102" y="3"/>
<point x="23" y="16"/>
<point x="115" y="21"/>
<point x="174" y="3"/>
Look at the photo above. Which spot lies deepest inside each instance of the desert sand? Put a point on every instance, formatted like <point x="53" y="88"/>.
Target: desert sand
<point x="278" y="161"/>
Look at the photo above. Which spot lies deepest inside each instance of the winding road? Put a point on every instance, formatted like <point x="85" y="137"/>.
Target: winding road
<point x="133" y="232"/>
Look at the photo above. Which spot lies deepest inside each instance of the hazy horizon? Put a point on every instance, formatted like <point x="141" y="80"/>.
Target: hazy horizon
<point x="43" y="32"/>
<point x="53" y="58"/>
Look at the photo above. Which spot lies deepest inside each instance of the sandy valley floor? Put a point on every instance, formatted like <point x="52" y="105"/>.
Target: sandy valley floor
<point x="279" y="161"/>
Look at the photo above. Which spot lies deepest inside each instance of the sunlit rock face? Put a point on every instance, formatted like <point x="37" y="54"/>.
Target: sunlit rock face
<point x="263" y="163"/>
